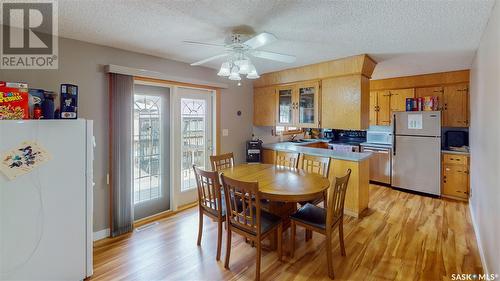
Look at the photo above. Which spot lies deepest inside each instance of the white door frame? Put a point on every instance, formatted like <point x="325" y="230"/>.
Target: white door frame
<point x="177" y="197"/>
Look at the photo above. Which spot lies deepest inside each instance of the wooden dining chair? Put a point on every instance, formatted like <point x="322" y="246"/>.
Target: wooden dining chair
<point x="245" y="217"/>
<point x="287" y="159"/>
<point x="223" y="161"/>
<point x="323" y="220"/>
<point x="316" y="165"/>
<point x="210" y="203"/>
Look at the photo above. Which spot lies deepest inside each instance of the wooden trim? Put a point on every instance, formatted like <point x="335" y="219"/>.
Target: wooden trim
<point x="354" y="65"/>
<point x="174" y="83"/>
<point x="423" y="80"/>
<point x="163" y="215"/>
<point x="218" y="129"/>
<point x="111" y="68"/>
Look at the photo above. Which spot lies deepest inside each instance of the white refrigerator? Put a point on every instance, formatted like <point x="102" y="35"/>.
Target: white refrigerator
<point x="46" y="214"/>
<point x="416" y="160"/>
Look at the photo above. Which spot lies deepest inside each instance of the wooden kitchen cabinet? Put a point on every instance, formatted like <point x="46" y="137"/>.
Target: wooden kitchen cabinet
<point x="398" y="98"/>
<point x="373" y="108"/>
<point x="307" y="108"/>
<point x="455" y="111"/>
<point x="455" y="176"/>
<point x="345" y="102"/>
<point x="268" y="156"/>
<point x="297" y="105"/>
<point x="384" y="103"/>
<point x="264" y="106"/>
<point x="431" y="92"/>
<point x="384" y="108"/>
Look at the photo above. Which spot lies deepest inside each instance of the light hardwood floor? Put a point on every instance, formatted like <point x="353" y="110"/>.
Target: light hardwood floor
<point x="402" y="237"/>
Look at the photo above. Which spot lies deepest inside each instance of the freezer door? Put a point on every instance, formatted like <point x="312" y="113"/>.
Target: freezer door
<point x="43" y="219"/>
<point x="417" y="123"/>
<point x="416" y="164"/>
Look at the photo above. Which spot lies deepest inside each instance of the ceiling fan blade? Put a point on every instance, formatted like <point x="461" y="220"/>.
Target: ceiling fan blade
<point x="209" y="59"/>
<point x="260" y="40"/>
<point x="204" y="44"/>
<point x="274" y="56"/>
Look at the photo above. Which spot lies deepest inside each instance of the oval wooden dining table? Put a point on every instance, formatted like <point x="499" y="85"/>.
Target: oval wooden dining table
<point x="281" y="184"/>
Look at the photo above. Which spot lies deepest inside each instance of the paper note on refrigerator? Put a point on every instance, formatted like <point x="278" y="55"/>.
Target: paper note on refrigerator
<point x="23" y="159"/>
<point x="415" y="121"/>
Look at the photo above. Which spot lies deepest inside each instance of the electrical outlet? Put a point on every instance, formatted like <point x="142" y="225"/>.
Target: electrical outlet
<point x="225" y="132"/>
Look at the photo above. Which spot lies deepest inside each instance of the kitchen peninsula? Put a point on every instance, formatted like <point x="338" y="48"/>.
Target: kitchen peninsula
<point x="357" y="196"/>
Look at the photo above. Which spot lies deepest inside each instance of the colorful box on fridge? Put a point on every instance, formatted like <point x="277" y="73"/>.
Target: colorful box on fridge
<point x="14" y="101"/>
<point x="69" y="101"/>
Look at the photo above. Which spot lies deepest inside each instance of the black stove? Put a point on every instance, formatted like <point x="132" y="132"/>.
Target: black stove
<point x="348" y="137"/>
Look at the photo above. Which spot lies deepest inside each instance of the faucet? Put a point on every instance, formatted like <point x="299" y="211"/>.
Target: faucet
<point x="292" y="137"/>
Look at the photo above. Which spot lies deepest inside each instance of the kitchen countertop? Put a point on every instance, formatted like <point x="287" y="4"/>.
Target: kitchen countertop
<point x="455" y="152"/>
<point x="299" y="147"/>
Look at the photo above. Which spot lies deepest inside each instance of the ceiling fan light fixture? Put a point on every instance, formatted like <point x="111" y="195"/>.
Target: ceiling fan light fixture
<point x="252" y="74"/>
<point x="246" y="67"/>
<point x="225" y="69"/>
<point x="235" y="76"/>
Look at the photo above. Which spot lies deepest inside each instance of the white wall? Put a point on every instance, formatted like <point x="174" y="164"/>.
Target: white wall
<point x="83" y="64"/>
<point x="485" y="143"/>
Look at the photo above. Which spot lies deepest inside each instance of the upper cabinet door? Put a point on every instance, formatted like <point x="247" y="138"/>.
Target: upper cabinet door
<point x="308" y="105"/>
<point x="373" y="108"/>
<point x="456" y="106"/>
<point x="285" y="106"/>
<point x="384" y="108"/>
<point x="264" y="106"/>
<point x="398" y="98"/>
<point x="431" y="92"/>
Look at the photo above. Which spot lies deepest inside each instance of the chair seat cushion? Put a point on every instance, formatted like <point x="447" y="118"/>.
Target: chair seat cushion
<point x="312" y="215"/>
<point x="267" y="220"/>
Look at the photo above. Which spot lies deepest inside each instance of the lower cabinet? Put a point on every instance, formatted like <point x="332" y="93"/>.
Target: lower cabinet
<point x="268" y="156"/>
<point x="455" y="176"/>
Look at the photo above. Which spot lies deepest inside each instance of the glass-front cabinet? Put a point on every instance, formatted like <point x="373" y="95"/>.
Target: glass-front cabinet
<point x="298" y="105"/>
<point x="286" y="106"/>
<point x="308" y="103"/>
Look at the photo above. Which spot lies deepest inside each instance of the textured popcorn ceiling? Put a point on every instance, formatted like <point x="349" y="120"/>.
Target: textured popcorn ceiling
<point x="405" y="37"/>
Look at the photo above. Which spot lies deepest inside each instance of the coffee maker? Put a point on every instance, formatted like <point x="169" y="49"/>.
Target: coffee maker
<point x="253" y="151"/>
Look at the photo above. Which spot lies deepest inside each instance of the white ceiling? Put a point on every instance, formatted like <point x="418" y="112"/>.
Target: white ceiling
<point x="405" y="37"/>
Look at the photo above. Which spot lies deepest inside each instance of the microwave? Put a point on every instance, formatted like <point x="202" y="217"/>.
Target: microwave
<point x="380" y="137"/>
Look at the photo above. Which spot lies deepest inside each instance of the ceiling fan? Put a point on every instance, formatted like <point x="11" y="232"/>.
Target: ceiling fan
<point x="240" y="48"/>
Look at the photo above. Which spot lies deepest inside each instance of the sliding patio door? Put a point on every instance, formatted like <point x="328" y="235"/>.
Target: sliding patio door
<point x="151" y="150"/>
<point x="193" y="141"/>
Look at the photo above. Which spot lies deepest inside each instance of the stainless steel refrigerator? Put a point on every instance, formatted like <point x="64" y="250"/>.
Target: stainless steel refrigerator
<point x="416" y="161"/>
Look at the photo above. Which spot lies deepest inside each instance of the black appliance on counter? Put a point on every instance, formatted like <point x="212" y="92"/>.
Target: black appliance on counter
<point x="456" y="139"/>
<point x="345" y="140"/>
<point x="254" y="151"/>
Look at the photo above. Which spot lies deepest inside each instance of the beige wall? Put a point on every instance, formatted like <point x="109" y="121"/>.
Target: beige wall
<point x="485" y="143"/>
<point x="82" y="64"/>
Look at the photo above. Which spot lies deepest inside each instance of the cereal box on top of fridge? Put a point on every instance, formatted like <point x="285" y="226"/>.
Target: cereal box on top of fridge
<point x="14" y="100"/>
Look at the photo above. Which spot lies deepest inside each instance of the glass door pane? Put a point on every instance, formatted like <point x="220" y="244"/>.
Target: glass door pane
<point x="307" y="96"/>
<point x="194" y="139"/>
<point x="285" y="106"/>
<point x="150" y="148"/>
<point x="147" y="148"/>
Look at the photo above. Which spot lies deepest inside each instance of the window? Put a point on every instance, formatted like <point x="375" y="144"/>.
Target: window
<point x="194" y="147"/>
<point x="282" y="130"/>
<point x="147" y="148"/>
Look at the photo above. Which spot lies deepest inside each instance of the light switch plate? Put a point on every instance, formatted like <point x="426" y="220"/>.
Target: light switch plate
<point x="225" y="132"/>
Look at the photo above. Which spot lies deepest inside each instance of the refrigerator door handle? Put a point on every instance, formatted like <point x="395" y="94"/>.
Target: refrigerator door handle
<point x="394" y="135"/>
